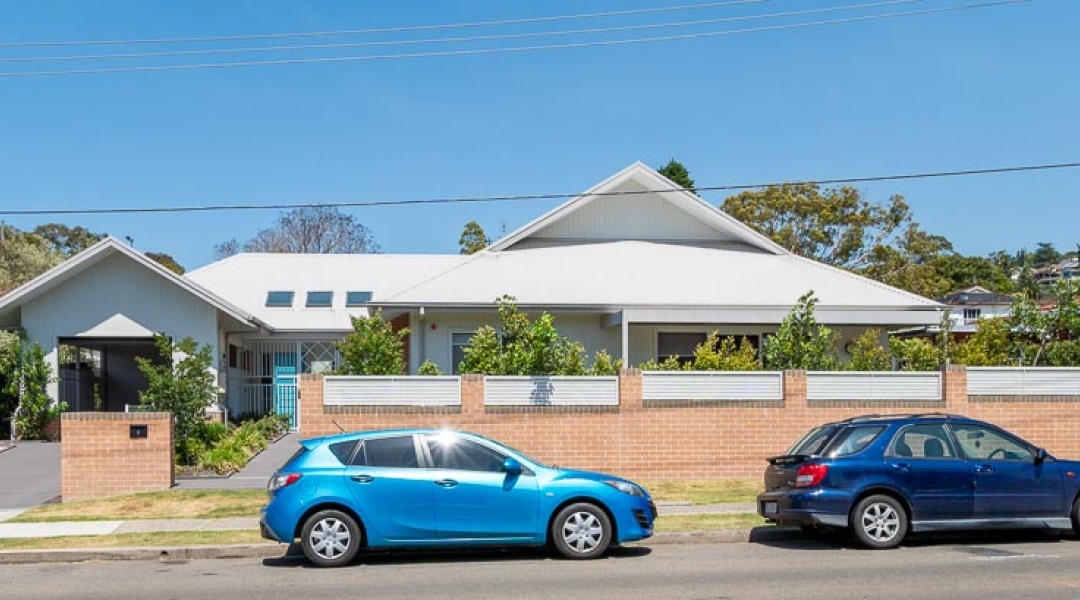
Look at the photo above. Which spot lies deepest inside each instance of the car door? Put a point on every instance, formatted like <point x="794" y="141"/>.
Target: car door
<point x="924" y="464"/>
<point x="474" y="498"/>
<point x="1008" y="481"/>
<point x="392" y="489"/>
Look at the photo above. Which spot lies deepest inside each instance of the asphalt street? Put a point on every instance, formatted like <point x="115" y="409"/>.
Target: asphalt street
<point x="1036" y="567"/>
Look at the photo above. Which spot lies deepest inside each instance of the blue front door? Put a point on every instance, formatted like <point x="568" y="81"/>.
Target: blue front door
<point x="285" y="385"/>
<point x="1008" y="482"/>
<point x="924" y="464"/>
<point x="393" y="493"/>
<point x="474" y="498"/>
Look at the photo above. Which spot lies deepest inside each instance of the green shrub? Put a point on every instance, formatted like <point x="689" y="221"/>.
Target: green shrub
<point x="429" y="369"/>
<point x="184" y="387"/>
<point x="670" y="363"/>
<point x="916" y="354"/>
<point x="989" y="346"/>
<point x="716" y="354"/>
<point x="30" y="380"/>
<point x="868" y="355"/>
<point x="373" y="348"/>
<point x="801" y="342"/>
<point x="1063" y="354"/>
<point x="525" y="347"/>
<point x="604" y="364"/>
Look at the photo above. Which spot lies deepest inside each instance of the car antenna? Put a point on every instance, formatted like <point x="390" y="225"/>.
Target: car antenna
<point x="336" y="424"/>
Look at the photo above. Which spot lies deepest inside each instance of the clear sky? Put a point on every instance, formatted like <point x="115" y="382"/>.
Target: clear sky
<point x="982" y="88"/>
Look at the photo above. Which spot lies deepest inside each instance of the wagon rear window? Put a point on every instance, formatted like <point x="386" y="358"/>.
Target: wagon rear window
<point x="854" y="440"/>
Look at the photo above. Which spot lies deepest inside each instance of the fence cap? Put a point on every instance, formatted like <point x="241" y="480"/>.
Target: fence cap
<point x="116" y="416"/>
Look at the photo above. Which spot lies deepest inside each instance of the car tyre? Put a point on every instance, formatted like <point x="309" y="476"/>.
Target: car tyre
<point x="581" y="531"/>
<point x="330" y="538"/>
<point x="1076" y="516"/>
<point x="879" y="522"/>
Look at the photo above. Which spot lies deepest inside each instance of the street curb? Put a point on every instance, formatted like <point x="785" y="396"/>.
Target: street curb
<point x="170" y="553"/>
<point x="728" y="536"/>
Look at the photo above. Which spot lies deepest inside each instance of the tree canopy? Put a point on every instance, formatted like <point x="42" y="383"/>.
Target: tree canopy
<point x="677" y="173"/>
<point x="308" y="230"/>
<point x="473" y="239"/>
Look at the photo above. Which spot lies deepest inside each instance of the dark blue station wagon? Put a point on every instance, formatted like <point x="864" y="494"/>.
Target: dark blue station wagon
<point x="883" y="477"/>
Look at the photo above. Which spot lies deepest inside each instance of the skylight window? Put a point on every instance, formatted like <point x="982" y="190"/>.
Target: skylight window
<point x="320" y="299"/>
<point x="357" y="298"/>
<point x="279" y="299"/>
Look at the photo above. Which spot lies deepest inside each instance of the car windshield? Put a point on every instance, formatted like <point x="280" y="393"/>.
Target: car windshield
<point x="813" y="442"/>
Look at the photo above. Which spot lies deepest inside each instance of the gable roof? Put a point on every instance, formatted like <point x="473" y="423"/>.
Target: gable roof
<point x="639" y="181"/>
<point x="98" y="252"/>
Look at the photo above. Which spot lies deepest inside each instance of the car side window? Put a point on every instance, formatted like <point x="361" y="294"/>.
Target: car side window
<point x="397" y="451"/>
<point x="984" y="443"/>
<point x="343" y="451"/>
<point x="854" y="440"/>
<point x="922" y="441"/>
<point x="451" y="452"/>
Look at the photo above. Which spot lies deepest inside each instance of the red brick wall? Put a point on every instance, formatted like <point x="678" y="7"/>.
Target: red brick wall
<point x="687" y="440"/>
<point x="99" y="458"/>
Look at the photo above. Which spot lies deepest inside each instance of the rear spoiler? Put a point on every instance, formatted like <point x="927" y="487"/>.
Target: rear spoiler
<point x="789" y="459"/>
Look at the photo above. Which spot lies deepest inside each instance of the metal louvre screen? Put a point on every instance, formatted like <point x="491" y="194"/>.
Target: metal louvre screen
<point x="1019" y="381"/>
<point x="551" y="391"/>
<point x="871" y="386"/>
<point x="391" y="391"/>
<point x="712" y="385"/>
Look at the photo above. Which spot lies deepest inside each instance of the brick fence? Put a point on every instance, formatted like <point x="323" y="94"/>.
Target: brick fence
<point x="99" y="456"/>
<point x="688" y="439"/>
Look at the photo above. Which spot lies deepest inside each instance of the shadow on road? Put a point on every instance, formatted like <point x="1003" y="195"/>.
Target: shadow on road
<point x="794" y="539"/>
<point x="294" y="558"/>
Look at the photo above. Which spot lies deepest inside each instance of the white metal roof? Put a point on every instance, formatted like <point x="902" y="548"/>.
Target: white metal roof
<point x="246" y="278"/>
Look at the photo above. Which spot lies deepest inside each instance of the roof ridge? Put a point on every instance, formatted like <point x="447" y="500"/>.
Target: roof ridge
<point x="874" y="282"/>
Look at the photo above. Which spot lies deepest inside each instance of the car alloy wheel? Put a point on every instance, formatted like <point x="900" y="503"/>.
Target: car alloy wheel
<point x="330" y="538"/>
<point x="581" y="531"/>
<point x="879" y="522"/>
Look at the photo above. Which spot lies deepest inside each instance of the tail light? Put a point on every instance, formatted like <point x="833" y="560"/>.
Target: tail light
<point x="810" y="475"/>
<point x="281" y="480"/>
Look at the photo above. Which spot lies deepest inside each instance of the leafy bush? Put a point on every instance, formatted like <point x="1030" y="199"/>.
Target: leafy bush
<point x="724" y="354"/>
<point x="526" y="347"/>
<point x="30" y="378"/>
<point x="604" y="364"/>
<point x="184" y="387"/>
<point x="868" y="355"/>
<point x="373" y="348"/>
<point x="989" y="346"/>
<point x="429" y="369"/>
<point x="228" y="452"/>
<point x="670" y="363"/>
<point x="1063" y="354"/>
<point x="800" y="342"/>
<point x="9" y="398"/>
<point x="916" y="354"/>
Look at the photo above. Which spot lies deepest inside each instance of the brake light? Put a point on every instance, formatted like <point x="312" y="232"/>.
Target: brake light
<point x="281" y="480"/>
<point x="810" y="475"/>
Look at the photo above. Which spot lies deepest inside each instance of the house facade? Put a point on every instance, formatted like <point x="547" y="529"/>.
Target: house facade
<point x="633" y="266"/>
<point x="968" y="305"/>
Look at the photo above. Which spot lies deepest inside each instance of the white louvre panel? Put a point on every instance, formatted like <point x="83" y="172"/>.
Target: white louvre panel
<point x="391" y="391"/>
<point x="551" y="391"/>
<point x="712" y="385"/>
<point x="870" y="386"/>
<point x="1016" y="381"/>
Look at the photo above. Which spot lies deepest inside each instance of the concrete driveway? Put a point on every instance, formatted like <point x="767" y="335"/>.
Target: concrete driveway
<point x="29" y="476"/>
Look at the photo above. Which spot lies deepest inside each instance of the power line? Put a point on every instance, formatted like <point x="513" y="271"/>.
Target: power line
<point x="513" y="49"/>
<point x="437" y="26"/>
<point x="524" y="197"/>
<point x="444" y="40"/>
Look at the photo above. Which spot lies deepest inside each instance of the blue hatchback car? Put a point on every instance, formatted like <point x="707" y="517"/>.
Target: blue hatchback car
<point x="436" y="489"/>
<point x="885" y="476"/>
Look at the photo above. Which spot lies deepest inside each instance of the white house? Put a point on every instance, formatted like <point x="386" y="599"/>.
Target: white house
<point x="969" y="305"/>
<point x="643" y="275"/>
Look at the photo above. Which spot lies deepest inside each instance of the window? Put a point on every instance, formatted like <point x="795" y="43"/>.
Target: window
<point x="320" y="299"/>
<point x="459" y="340"/>
<point x="343" y="451"/>
<point x="983" y="443"/>
<point x="972" y="314"/>
<point x="813" y="442"/>
<point x="922" y="441"/>
<point x="452" y="452"/>
<point x="234" y="356"/>
<point x="353" y="299"/>
<point x="678" y="344"/>
<point x="853" y="440"/>
<point x="399" y="451"/>
<point x="279" y="299"/>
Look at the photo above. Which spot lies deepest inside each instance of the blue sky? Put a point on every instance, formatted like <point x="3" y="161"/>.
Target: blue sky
<point x="981" y="88"/>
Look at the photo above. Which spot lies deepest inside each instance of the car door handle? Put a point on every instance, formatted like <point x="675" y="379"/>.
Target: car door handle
<point x="362" y="478"/>
<point x="446" y="483"/>
<point x="984" y="469"/>
<point x="901" y="467"/>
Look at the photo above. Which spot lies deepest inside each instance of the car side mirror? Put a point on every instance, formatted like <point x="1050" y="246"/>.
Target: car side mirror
<point x="512" y="466"/>
<point x="1040" y="456"/>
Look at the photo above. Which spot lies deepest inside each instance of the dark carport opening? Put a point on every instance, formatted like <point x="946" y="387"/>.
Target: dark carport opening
<point x="101" y="374"/>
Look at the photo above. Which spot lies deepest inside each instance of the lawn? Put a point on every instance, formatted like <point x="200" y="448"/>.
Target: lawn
<point x="187" y="504"/>
<point x="681" y="523"/>
<point x="706" y="491"/>
<point x="173" y="538"/>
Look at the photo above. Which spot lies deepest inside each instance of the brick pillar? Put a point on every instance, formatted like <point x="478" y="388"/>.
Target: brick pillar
<point x="472" y="394"/>
<point x="795" y="389"/>
<point x="310" y="405"/>
<point x="101" y="456"/>
<point x="954" y="389"/>
<point x="630" y="398"/>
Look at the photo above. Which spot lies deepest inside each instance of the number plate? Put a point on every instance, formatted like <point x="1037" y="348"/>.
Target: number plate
<point x="771" y="508"/>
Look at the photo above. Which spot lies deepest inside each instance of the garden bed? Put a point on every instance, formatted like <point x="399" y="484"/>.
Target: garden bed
<point x="218" y="451"/>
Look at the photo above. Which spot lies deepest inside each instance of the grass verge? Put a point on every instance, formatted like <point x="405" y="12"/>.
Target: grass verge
<point x="709" y="491"/>
<point x="174" y="538"/>
<point x="682" y="523"/>
<point x="186" y="504"/>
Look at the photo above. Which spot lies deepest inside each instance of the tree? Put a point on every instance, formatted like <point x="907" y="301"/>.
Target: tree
<point x="1038" y="327"/>
<point x="966" y="271"/>
<point x="800" y="342"/>
<point x="227" y="248"/>
<point x="181" y="381"/>
<point x="65" y="240"/>
<point x="166" y="261"/>
<point x="989" y="346"/>
<point x="678" y="174"/>
<point x="309" y="230"/>
<point x="29" y="381"/>
<point x="23" y="257"/>
<point x="869" y="355"/>
<point x="473" y="239"/>
<point x="1045" y="254"/>
<point x="915" y="354"/>
<point x="910" y="263"/>
<point x="373" y="347"/>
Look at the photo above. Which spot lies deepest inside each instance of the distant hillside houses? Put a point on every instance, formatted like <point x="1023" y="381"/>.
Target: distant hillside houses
<point x="971" y="304"/>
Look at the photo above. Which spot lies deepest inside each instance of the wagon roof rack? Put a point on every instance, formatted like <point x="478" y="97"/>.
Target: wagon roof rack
<point x="925" y="415"/>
